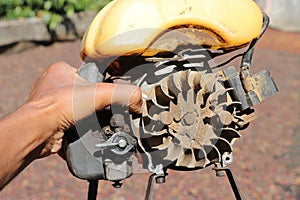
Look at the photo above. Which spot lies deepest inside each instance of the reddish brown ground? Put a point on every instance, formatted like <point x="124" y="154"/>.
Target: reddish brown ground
<point x="266" y="160"/>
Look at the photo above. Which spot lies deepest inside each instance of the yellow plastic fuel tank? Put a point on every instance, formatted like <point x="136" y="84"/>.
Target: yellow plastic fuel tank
<point x="127" y="27"/>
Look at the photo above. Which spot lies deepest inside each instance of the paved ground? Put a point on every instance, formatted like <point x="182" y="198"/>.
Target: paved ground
<point x="266" y="160"/>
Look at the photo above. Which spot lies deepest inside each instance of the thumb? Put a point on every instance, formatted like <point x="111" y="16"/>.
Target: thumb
<point x="126" y="95"/>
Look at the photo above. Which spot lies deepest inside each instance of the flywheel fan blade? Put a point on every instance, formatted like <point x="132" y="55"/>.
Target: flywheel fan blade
<point x="222" y="145"/>
<point x="166" y="143"/>
<point x="213" y="154"/>
<point x="230" y="134"/>
<point x="173" y="152"/>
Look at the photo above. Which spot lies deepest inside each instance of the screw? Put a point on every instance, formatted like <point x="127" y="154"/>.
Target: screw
<point x="220" y="173"/>
<point x="122" y="143"/>
<point x="160" y="179"/>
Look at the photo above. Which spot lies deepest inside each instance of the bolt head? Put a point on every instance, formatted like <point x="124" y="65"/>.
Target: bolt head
<point x="160" y="179"/>
<point x="122" y="143"/>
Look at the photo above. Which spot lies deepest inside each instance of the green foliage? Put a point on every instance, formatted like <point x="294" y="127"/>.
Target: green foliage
<point x="51" y="11"/>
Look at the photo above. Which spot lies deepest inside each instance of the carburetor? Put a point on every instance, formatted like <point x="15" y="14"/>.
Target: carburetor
<point x="192" y="108"/>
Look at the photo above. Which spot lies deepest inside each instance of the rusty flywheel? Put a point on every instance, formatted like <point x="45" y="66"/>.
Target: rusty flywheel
<point x="188" y="119"/>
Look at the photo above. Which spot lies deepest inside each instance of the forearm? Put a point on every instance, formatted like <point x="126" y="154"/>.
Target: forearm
<point x="21" y="135"/>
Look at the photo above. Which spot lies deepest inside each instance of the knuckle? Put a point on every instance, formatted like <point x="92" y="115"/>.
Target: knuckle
<point x="58" y="66"/>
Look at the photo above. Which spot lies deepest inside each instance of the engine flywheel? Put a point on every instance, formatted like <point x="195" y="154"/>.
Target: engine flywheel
<point x="188" y="119"/>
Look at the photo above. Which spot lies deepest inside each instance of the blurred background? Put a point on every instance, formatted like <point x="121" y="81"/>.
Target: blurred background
<point x="34" y="34"/>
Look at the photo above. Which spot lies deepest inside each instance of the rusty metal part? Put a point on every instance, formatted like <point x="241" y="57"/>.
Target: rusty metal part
<point x="185" y="119"/>
<point x="250" y="90"/>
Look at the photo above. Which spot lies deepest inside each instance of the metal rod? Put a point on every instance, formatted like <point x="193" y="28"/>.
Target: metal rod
<point x="148" y="195"/>
<point x="233" y="184"/>
<point x="93" y="189"/>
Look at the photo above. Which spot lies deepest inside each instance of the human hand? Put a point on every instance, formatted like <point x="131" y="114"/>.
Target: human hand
<point x="65" y="98"/>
